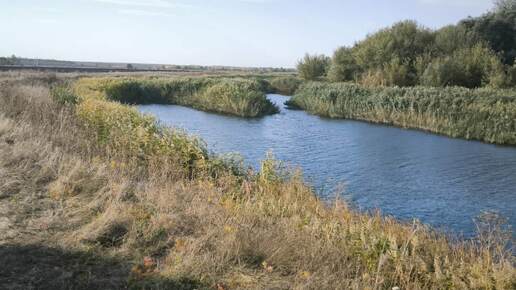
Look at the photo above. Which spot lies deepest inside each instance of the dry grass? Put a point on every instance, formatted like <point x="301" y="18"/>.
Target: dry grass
<point x="145" y="221"/>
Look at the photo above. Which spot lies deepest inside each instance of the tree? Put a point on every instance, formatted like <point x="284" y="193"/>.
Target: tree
<point x="130" y="66"/>
<point x="505" y="5"/>
<point x="313" y="67"/>
<point x="343" y="66"/>
<point x="468" y="67"/>
<point x="498" y="28"/>
<point x="404" y="40"/>
<point x="452" y="38"/>
<point x="8" y="60"/>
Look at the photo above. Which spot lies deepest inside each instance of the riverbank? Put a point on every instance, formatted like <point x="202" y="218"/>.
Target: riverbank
<point x="487" y="115"/>
<point x="150" y="207"/>
<point x="234" y="96"/>
<point x="404" y="173"/>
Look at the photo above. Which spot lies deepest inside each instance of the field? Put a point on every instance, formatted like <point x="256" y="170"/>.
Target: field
<point x="484" y="114"/>
<point x="100" y="196"/>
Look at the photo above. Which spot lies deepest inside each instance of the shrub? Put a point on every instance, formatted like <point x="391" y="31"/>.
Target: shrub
<point x="403" y="41"/>
<point x="452" y="38"/>
<point x="64" y="95"/>
<point x="235" y="98"/>
<point x="471" y="54"/>
<point x="313" y="67"/>
<point x="468" y="67"/>
<point x="285" y="85"/>
<point x="511" y="76"/>
<point x="343" y="66"/>
<point x="498" y="29"/>
<point x="398" y="72"/>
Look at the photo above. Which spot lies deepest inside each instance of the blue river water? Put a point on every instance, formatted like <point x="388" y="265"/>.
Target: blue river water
<point x="408" y="174"/>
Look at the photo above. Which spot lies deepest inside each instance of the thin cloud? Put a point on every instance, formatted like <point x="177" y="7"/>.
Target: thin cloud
<point x="257" y="1"/>
<point x="46" y="20"/>
<point x="461" y="3"/>
<point x="140" y="12"/>
<point x="144" y="3"/>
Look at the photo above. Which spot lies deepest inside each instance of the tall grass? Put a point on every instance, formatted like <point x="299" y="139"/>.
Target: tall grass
<point x="227" y="229"/>
<point x="484" y="114"/>
<point x="240" y="97"/>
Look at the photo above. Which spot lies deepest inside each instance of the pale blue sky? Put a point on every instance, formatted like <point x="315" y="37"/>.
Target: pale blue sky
<point x="207" y="32"/>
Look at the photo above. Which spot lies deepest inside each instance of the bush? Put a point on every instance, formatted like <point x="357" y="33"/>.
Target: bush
<point x="469" y="67"/>
<point x="236" y="98"/>
<point x="511" y="76"/>
<point x="313" y="67"/>
<point x="343" y="66"/>
<point x="403" y="41"/>
<point x="64" y="95"/>
<point x="498" y="29"/>
<point x="398" y="72"/>
<point x="452" y="38"/>
<point x="474" y="53"/>
<point x="285" y="85"/>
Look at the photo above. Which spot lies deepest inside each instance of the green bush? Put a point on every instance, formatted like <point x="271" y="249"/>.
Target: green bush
<point x="285" y="85"/>
<point x="235" y="98"/>
<point x="63" y="95"/>
<point x="451" y="38"/>
<point x="511" y="76"/>
<point x="343" y="66"/>
<point x="498" y="29"/>
<point x="468" y="67"/>
<point x="476" y="52"/>
<point x="403" y="41"/>
<point x="313" y="67"/>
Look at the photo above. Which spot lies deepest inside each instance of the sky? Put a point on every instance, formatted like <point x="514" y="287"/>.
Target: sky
<point x="259" y="33"/>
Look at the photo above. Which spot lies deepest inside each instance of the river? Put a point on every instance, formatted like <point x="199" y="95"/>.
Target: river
<point x="408" y="174"/>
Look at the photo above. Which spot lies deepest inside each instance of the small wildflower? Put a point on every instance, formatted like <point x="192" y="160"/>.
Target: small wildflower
<point x="229" y="229"/>
<point x="267" y="267"/>
<point x="305" y="275"/>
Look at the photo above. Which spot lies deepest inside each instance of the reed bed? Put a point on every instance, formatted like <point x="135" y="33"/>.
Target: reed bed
<point x="484" y="114"/>
<point x="234" y="96"/>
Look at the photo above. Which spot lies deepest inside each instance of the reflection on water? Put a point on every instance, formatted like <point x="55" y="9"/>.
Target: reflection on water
<point x="408" y="174"/>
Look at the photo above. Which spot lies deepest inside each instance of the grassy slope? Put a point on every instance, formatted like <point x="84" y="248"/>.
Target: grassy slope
<point x="149" y="207"/>
<point x="483" y="114"/>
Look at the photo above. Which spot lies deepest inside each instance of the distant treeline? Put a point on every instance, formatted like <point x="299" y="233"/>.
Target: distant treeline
<point x="21" y="62"/>
<point x="476" y="52"/>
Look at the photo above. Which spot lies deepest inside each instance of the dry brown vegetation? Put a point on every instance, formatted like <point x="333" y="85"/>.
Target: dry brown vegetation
<point x="79" y="211"/>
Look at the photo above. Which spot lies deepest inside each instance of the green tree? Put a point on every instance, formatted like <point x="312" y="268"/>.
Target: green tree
<point x="498" y="28"/>
<point x="343" y="66"/>
<point x="505" y="5"/>
<point x="404" y="40"/>
<point x="468" y="67"/>
<point x="313" y="67"/>
<point x="8" y="60"/>
<point x="452" y="38"/>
